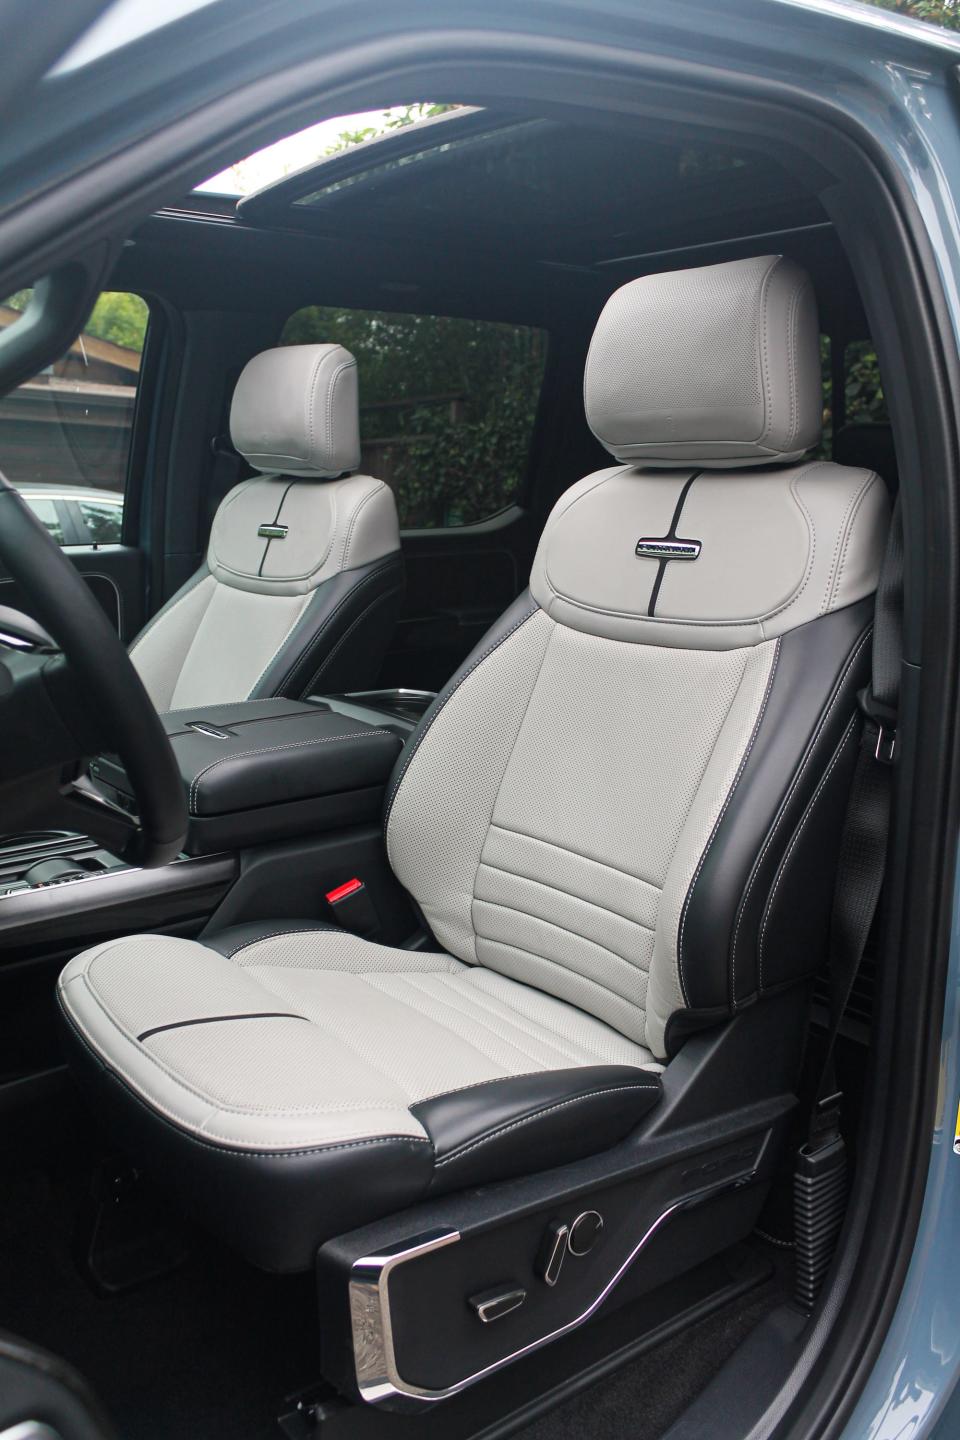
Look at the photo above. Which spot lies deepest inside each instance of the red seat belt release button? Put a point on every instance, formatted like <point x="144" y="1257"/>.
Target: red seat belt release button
<point x="352" y="907"/>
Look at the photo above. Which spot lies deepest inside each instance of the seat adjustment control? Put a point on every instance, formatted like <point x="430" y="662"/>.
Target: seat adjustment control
<point x="493" y="1304"/>
<point x="553" y="1247"/>
<point x="585" y="1232"/>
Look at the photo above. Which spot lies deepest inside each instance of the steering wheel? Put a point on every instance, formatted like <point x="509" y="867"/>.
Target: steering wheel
<point x="72" y="696"/>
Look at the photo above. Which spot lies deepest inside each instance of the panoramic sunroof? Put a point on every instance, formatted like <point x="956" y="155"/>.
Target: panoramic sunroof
<point x="573" y="193"/>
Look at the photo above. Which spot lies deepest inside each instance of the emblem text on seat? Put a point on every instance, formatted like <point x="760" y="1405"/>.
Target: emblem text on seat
<point x="273" y="532"/>
<point x="664" y="548"/>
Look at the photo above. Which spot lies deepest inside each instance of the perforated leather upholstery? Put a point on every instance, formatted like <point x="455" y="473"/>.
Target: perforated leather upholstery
<point x="311" y="602"/>
<point x="620" y="818"/>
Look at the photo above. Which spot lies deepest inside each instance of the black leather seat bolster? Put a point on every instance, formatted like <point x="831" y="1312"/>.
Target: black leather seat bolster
<point x="757" y="912"/>
<point x="273" y="1204"/>
<point x="343" y="634"/>
<point x="234" y="938"/>
<point x="525" y="1123"/>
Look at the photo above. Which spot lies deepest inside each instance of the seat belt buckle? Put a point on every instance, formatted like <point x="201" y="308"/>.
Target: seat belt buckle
<point x="352" y="907"/>
<point x="881" y="727"/>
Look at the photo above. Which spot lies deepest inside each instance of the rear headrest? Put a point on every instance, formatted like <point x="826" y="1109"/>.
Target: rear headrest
<point x="295" y="412"/>
<point x="713" y="367"/>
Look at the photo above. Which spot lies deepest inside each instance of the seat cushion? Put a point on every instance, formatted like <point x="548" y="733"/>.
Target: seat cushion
<point x="353" y="1077"/>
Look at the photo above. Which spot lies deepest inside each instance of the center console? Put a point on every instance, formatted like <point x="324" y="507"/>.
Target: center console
<point x="266" y="770"/>
<point x="257" y="775"/>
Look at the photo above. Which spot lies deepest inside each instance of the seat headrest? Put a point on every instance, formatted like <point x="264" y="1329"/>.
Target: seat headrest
<point x="716" y="367"/>
<point x="295" y="412"/>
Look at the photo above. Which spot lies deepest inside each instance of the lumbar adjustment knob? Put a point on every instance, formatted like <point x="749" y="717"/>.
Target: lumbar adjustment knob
<point x="585" y="1232"/>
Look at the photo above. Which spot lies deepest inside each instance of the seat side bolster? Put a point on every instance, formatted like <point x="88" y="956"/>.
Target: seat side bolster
<point x="719" y="945"/>
<point x="514" y="1126"/>
<point x="512" y="618"/>
<point x="271" y="1204"/>
<point x="340" y="639"/>
<point x="160" y="649"/>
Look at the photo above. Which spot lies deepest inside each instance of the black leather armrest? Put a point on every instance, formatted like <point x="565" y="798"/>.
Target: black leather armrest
<point x="265" y="770"/>
<point x="282" y="752"/>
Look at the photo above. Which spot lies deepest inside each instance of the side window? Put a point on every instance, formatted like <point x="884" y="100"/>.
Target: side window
<point x="46" y="512"/>
<point x="447" y="406"/>
<point x="825" y="449"/>
<point x="65" y="434"/>
<point x="863" y="392"/>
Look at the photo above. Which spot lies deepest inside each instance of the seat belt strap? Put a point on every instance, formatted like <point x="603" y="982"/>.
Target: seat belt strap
<point x="863" y="843"/>
<point x="820" y="1177"/>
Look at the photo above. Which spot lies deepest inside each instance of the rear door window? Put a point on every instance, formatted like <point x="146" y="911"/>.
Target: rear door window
<point x="447" y="406"/>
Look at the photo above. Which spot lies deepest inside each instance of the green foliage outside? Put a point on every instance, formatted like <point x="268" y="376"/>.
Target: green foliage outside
<point x="935" y="12"/>
<point x="120" y="318"/>
<point x="448" y="405"/>
<point x="863" y="400"/>
<point x="117" y="316"/>
<point x="392" y="120"/>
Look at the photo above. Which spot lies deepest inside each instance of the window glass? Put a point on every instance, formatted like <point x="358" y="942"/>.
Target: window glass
<point x="447" y="406"/>
<point x="69" y="427"/>
<point x="825" y="449"/>
<point x="102" y="521"/>
<point x="46" y="512"/>
<point x="863" y="392"/>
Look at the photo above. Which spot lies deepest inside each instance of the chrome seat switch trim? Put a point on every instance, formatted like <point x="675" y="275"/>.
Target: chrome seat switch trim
<point x="379" y="1381"/>
<point x="496" y="1303"/>
<point x="553" y="1248"/>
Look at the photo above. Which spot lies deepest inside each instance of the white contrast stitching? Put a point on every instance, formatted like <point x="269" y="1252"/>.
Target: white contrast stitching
<point x="271" y="749"/>
<point x="328" y="621"/>
<point x="539" y="1114"/>
<point x="713" y="833"/>
<point x="430" y="719"/>
<point x="846" y="534"/>
<point x="354" y="517"/>
<point x="796" y="836"/>
<point x="364" y="615"/>
<point x="824" y="718"/>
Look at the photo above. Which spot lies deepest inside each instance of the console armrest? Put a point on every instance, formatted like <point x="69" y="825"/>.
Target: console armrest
<point x="260" y="771"/>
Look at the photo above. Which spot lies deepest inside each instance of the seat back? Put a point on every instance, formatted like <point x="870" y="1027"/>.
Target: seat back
<point x="630" y="795"/>
<point x="302" y="580"/>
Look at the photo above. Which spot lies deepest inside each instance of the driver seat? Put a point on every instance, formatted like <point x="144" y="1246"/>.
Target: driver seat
<point x="620" y="821"/>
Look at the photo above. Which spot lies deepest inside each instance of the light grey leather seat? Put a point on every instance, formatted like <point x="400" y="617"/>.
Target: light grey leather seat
<point x="620" y="818"/>
<point x="303" y="576"/>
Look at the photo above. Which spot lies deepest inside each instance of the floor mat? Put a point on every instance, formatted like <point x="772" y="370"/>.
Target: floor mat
<point x="643" y="1399"/>
<point x="207" y="1352"/>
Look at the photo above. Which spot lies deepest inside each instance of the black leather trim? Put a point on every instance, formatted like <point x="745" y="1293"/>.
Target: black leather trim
<point x="820" y="666"/>
<point x="279" y="755"/>
<point x="524" y="1123"/>
<point x="794" y="933"/>
<point x="235" y="938"/>
<point x="219" y="1020"/>
<point x="343" y="634"/>
<point x="274" y="1206"/>
<point x="512" y="618"/>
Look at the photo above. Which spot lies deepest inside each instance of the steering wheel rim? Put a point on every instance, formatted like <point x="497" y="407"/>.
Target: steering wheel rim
<point x="64" y="605"/>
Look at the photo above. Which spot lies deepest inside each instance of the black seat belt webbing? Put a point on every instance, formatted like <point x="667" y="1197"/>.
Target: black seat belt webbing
<point x="820" y="1177"/>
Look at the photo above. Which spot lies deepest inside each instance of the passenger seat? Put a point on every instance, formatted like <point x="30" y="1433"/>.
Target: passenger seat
<point x="303" y="577"/>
